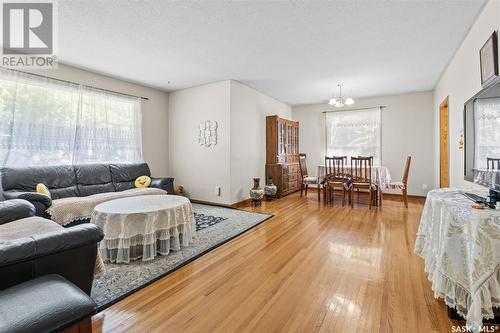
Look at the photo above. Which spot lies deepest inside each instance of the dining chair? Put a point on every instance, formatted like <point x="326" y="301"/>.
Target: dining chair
<point x="402" y="185"/>
<point x="491" y="162"/>
<point x="335" y="178"/>
<point x="361" y="173"/>
<point x="306" y="180"/>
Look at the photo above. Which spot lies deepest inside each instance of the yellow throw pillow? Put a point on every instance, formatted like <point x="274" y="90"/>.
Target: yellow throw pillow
<point x="42" y="189"/>
<point x="142" y="182"/>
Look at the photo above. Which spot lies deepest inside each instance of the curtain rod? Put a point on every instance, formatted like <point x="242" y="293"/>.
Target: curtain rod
<point x="83" y="85"/>
<point x="373" y="107"/>
<point x="492" y="97"/>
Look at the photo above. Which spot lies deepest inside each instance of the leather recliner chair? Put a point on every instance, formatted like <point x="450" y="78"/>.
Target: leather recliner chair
<point x="69" y="252"/>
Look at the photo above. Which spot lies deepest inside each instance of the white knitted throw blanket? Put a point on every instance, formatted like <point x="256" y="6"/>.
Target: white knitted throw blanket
<point x="67" y="210"/>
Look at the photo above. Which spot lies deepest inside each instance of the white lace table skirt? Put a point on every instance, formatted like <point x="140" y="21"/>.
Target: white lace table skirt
<point x="123" y="250"/>
<point x="138" y="233"/>
<point x="461" y="250"/>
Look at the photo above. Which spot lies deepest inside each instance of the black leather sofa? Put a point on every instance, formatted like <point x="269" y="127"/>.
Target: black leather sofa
<point x="74" y="181"/>
<point x="69" y="252"/>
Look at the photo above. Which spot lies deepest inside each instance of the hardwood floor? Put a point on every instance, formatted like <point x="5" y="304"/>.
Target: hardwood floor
<point x="311" y="268"/>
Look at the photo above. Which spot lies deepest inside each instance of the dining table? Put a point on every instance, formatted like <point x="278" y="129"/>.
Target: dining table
<point x="380" y="176"/>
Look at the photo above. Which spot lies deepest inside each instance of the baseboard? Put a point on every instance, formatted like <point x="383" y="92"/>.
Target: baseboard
<point x="247" y="202"/>
<point x="398" y="195"/>
<point x="387" y="195"/>
<point x="210" y="203"/>
<point x="239" y="204"/>
<point x="243" y="203"/>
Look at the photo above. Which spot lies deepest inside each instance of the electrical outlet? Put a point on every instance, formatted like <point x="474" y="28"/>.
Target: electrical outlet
<point x="217" y="191"/>
<point x="424" y="186"/>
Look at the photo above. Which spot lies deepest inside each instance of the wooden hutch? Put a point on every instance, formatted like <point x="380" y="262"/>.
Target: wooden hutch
<point x="282" y="154"/>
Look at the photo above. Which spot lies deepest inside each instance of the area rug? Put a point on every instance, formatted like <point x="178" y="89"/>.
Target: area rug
<point x="214" y="225"/>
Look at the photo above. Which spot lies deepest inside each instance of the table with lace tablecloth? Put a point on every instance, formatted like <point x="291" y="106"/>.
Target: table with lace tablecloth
<point x="460" y="246"/>
<point x="142" y="226"/>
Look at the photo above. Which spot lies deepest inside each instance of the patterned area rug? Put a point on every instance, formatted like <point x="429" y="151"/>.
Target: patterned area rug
<point x="214" y="225"/>
<point x="204" y="221"/>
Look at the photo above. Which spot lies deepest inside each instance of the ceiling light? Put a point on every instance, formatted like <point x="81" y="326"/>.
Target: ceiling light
<point x="340" y="101"/>
<point x="332" y="101"/>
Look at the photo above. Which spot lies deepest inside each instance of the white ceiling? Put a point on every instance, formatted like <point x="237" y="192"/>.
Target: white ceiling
<point x="296" y="52"/>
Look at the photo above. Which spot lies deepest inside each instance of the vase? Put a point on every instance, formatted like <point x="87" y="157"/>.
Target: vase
<point x="270" y="189"/>
<point x="256" y="193"/>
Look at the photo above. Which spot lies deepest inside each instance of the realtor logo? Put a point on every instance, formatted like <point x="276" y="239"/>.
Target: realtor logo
<point x="27" y="28"/>
<point x="28" y="34"/>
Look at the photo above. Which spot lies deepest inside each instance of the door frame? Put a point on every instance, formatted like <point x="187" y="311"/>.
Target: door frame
<point x="444" y="171"/>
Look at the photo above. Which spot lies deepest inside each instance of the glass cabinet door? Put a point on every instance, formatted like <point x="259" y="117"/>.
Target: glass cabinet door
<point x="296" y="140"/>
<point x="289" y="138"/>
<point x="281" y="138"/>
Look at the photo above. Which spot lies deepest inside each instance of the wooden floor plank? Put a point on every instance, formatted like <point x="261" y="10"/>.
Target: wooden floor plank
<point x="311" y="268"/>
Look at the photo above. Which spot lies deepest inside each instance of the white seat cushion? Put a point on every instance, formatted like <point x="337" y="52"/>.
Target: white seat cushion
<point x="396" y="186"/>
<point x="310" y="180"/>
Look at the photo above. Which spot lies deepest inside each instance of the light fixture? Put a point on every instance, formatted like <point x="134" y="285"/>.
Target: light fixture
<point x="341" y="100"/>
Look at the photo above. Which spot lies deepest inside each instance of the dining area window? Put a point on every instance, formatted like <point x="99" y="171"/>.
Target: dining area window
<point x="354" y="133"/>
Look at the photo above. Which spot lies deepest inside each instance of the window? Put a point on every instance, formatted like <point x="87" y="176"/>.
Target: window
<point x="49" y="122"/>
<point x="354" y="133"/>
<point x="486" y="129"/>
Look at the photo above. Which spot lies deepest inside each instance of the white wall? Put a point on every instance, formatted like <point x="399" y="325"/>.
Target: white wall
<point x="249" y="109"/>
<point x="200" y="169"/>
<point x="240" y="152"/>
<point x="460" y="81"/>
<point x="407" y="129"/>
<point x="154" y="111"/>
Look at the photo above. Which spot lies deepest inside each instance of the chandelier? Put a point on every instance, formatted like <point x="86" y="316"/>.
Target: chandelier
<point x="340" y="101"/>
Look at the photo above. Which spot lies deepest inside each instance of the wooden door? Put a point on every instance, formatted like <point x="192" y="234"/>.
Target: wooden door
<point x="444" y="180"/>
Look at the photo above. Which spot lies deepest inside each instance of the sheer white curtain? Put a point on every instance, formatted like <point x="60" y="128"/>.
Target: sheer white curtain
<point x="38" y="120"/>
<point x="354" y="133"/>
<point x="49" y="122"/>
<point x="108" y="129"/>
<point x="487" y="130"/>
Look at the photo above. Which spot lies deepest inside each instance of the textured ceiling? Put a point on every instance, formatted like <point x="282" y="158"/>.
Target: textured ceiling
<point x="296" y="52"/>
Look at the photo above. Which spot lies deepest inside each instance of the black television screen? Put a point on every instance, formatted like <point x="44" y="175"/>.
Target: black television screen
<point x="482" y="137"/>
